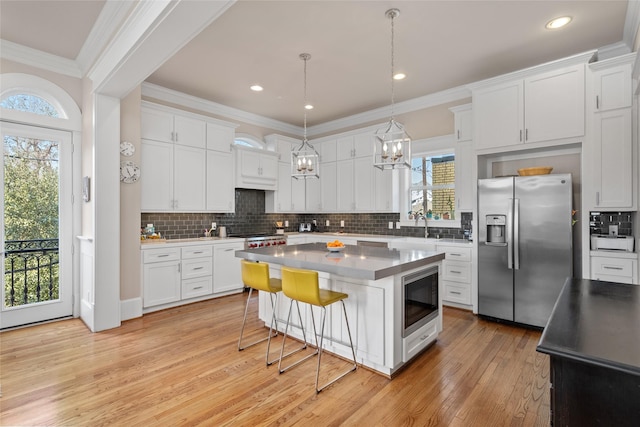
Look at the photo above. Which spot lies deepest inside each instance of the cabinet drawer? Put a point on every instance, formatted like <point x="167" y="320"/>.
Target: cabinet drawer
<point x="622" y="267"/>
<point x="160" y="255"/>
<point x="456" y="271"/>
<point x="197" y="251"/>
<point x="456" y="292"/>
<point x="192" y="288"/>
<point x="456" y="254"/>
<point x="420" y="339"/>
<point x="197" y="267"/>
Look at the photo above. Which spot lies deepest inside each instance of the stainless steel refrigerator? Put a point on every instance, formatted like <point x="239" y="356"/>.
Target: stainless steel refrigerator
<point x="524" y="246"/>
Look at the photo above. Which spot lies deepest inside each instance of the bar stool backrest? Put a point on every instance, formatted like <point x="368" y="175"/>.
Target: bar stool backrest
<point x="301" y="285"/>
<point x="256" y="275"/>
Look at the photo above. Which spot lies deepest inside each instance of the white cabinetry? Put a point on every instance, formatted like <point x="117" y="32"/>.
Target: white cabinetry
<point x="226" y="267"/>
<point x="220" y="169"/>
<point x="465" y="158"/>
<point x="196" y="274"/>
<point x="621" y="268"/>
<point x="291" y="193"/>
<point x="612" y="152"/>
<point x="256" y="169"/>
<point x="161" y="276"/>
<point x="164" y="124"/>
<point x="456" y="275"/>
<point x="544" y="107"/>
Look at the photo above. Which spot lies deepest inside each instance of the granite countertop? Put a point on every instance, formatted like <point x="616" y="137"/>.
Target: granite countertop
<point x="361" y="262"/>
<point x="597" y="323"/>
<point x="384" y="237"/>
<point x="154" y="243"/>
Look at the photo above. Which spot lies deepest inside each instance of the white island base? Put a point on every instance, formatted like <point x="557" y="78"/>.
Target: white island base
<point x="375" y="315"/>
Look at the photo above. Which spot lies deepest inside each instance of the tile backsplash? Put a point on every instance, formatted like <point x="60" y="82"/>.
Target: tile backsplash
<point x="599" y="222"/>
<point x="250" y="217"/>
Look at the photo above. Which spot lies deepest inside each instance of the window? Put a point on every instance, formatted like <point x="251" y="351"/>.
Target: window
<point x="432" y="192"/>
<point x="245" y="140"/>
<point x="29" y="103"/>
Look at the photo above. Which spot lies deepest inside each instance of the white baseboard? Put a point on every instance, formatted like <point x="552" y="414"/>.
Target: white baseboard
<point x="130" y="308"/>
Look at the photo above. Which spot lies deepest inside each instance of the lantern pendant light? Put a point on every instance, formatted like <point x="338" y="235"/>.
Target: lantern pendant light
<point x="304" y="159"/>
<point x="392" y="144"/>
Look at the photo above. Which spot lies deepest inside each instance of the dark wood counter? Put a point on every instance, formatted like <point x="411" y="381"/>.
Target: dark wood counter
<point x="593" y="338"/>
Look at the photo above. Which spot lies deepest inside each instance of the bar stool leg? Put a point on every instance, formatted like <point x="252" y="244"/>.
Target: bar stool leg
<point x="304" y="336"/>
<point x="353" y="352"/>
<point x="271" y="328"/>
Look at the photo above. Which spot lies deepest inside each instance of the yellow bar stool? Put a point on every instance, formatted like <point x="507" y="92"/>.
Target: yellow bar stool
<point x="302" y="286"/>
<point x="255" y="275"/>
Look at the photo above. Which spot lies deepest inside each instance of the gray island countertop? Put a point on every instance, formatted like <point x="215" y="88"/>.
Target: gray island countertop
<point x="361" y="262"/>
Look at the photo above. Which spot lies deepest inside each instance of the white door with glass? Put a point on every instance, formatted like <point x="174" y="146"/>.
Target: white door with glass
<point x="36" y="224"/>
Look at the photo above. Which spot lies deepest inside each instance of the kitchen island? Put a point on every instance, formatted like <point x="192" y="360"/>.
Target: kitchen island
<point x="373" y="278"/>
<point x="593" y="339"/>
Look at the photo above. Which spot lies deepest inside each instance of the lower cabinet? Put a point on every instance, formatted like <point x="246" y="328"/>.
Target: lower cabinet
<point x="174" y="275"/>
<point x="456" y="275"/>
<point x="620" y="269"/>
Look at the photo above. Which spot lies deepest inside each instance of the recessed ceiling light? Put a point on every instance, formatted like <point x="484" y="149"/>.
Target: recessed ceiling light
<point x="399" y="76"/>
<point x="256" y="88"/>
<point x="558" y="23"/>
<point x="308" y="107"/>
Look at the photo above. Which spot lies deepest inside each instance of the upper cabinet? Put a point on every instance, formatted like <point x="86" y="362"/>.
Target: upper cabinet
<point x="463" y="122"/>
<point x="543" y="107"/>
<point x="465" y="157"/>
<point x="610" y="154"/>
<point x="187" y="163"/>
<point x="256" y="169"/>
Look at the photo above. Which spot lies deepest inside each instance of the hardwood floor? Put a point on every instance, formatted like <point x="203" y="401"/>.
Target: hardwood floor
<point x="182" y="367"/>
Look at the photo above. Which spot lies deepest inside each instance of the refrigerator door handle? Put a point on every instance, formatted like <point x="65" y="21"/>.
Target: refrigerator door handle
<point x="509" y="235"/>
<point x="495" y="244"/>
<point x="516" y="234"/>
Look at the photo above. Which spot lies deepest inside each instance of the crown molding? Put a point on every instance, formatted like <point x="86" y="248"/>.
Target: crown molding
<point x="613" y="50"/>
<point x="37" y="58"/>
<point x="411" y="105"/>
<point x="111" y="17"/>
<point x="168" y="95"/>
<point x="601" y="64"/>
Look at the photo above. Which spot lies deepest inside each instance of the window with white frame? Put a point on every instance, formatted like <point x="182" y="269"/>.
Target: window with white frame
<point x="432" y="192"/>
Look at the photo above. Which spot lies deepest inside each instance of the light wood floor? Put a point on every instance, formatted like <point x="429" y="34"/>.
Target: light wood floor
<point x="182" y="367"/>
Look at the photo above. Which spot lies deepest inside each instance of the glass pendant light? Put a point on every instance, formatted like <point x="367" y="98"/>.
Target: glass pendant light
<point x="392" y="144"/>
<point x="304" y="159"/>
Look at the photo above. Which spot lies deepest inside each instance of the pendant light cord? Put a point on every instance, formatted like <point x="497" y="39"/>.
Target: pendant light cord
<point x="392" y="15"/>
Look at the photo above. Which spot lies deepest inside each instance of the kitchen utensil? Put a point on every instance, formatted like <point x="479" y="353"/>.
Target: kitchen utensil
<point x="222" y="232"/>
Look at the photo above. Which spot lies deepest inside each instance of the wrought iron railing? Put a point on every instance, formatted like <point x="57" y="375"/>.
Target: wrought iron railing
<point x="31" y="271"/>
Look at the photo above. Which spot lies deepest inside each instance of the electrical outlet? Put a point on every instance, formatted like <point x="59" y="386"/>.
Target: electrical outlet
<point x="341" y="223"/>
<point x="613" y="230"/>
<point x="390" y="225"/>
<point x="398" y="225"/>
<point x="327" y="223"/>
<point x="286" y="223"/>
<point x="214" y="226"/>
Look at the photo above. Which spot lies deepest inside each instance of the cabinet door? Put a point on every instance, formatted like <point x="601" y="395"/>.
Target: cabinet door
<point x="283" y="193"/>
<point x="463" y="125"/>
<point x="161" y="283"/>
<point x="313" y="195"/>
<point x="612" y="88"/>
<point x="498" y="115"/>
<point x="189" y="178"/>
<point x="156" y="179"/>
<point x="269" y="168"/>
<point x="464" y="172"/>
<point x="226" y="267"/>
<point x="249" y="164"/>
<point x="220" y="138"/>
<point x="554" y="105"/>
<point x="156" y="125"/>
<point x="344" y="186"/>
<point x="220" y="182"/>
<point x="363" y="184"/>
<point x="297" y="191"/>
<point x="613" y="159"/>
<point x="363" y="145"/>
<point x="384" y="189"/>
<point x="327" y="151"/>
<point x="344" y="148"/>
<point x="190" y="131"/>
<point x="328" y="187"/>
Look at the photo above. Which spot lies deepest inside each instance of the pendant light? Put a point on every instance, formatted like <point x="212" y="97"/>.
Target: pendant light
<point x="392" y="144"/>
<point x="304" y="159"/>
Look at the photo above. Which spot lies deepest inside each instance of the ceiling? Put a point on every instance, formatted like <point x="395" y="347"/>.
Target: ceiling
<point x="439" y="45"/>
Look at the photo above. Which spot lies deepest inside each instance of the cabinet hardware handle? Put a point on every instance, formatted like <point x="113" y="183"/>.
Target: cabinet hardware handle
<point x="456" y="293"/>
<point x="163" y="255"/>
<point x="607" y="267"/>
<point x="458" y="133"/>
<point x="172" y="137"/>
<point x="197" y="268"/>
<point x="197" y="287"/>
<point x="228" y="250"/>
<point x="526" y="134"/>
<point x="197" y="252"/>
<point x="520" y="135"/>
<point x="456" y="271"/>
<point x="597" y="198"/>
<point x="455" y="254"/>
<point x="179" y="268"/>
<point x="597" y="102"/>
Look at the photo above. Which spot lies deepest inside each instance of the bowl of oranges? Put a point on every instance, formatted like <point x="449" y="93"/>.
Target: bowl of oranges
<point x="335" y="246"/>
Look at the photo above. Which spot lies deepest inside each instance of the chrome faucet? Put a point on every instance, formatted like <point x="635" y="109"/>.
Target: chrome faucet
<point x="426" y="230"/>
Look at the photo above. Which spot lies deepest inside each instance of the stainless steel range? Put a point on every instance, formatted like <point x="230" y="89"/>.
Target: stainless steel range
<point x="252" y="242"/>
